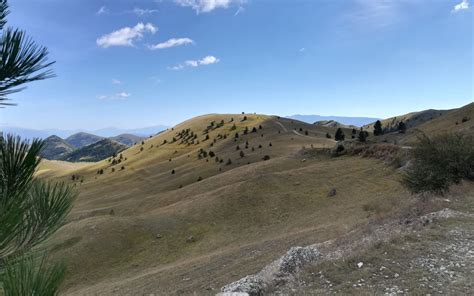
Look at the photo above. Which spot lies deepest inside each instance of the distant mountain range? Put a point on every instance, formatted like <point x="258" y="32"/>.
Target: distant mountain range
<point x="356" y="121"/>
<point x="86" y="147"/>
<point x="28" y="133"/>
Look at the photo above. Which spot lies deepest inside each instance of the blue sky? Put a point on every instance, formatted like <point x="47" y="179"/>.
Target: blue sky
<point x="139" y="63"/>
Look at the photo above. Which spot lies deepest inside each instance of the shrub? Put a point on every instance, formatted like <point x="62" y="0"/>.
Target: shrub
<point x="328" y="136"/>
<point x="402" y="127"/>
<point x="363" y="135"/>
<point x="339" y="135"/>
<point x="242" y="154"/>
<point x="378" y="128"/>
<point x="439" y="162"/>
<point x="266" y="157"/>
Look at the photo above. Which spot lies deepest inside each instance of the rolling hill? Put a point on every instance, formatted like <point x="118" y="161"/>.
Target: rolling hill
<point x="355" y="121"/>
<point x="82" y="139"/>
<point x="95" y="152"/>
<point x="214" y="199"/>
<point x="56" y="148"/>
<point x="127" y="139"/>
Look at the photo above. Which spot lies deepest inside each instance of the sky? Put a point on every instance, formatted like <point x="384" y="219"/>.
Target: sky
<point x="131" y="64"/>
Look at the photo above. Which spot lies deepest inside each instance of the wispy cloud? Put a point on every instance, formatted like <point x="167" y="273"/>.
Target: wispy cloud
<point x="463" y="5"/>
<point x="102" y="10"/>
<point x="172" y="43"/>
<point x="239" y="11"/>
<point x="116" y="81"/>
<point x="377" y="13"/>
<point x="125" y="36"/>
<point x="203" y="6"/>
<point x="208" y="60"/>
<point x="118" y="96"/>
<point x="143" y="11"/>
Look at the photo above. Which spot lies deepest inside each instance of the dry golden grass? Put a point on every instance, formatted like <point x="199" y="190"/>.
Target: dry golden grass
<point x="240" y="216"/>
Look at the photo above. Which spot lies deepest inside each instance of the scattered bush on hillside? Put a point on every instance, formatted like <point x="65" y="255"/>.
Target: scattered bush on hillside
<point x="266" y="157"/>
<point x="173" y="172"/>
<point x="402" y="127"/>
<point x="465" y="119"/>
<point x="306" y="133"/>
<point x="254" y="130"/>
<point x="440" y="161"/>
<point x="338" y="150"/>
<point x="270" y="144"/>
<point x="141" y="149"/>
<point x="229" y="162"/>
<point x="211" y="154"/>
<point x="242" y="154"/>
<point x="199" y="179"/>
<point x="328" y="136"/>
<point x="236" y="135"/>
<point x="339" y="135"/>
<point x="378" y="131"/>
<point x="363" y="135"/>
<point x="260" y="127"/>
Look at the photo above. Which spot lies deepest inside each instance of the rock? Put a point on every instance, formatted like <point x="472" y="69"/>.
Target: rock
<point x="251" y="285"/>
<point x="296" y="257"/>
<point x="158" y="236"/>
<point x="233" y="294"/>
<point x="360" y="264"/>
<point x="332" y="193"/>
<point x="190" y="239"/>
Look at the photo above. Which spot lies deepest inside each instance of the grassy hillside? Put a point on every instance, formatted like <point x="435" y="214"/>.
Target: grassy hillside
<point x="165" y="217"/>
<point x="143" y="229"/>
<point x="411" y="120"/>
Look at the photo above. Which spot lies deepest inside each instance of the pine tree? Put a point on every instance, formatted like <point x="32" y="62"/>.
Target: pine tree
<point x="378" y="128"/>
<point x="339" y="135"/>
<point x="402" y="127"/>
<point x="363" y="135"/>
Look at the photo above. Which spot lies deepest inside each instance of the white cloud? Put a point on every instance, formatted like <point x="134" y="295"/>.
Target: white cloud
<point x="172" y="43"/>
<point x="302" y="49"/>
<point x="125" y="36"/>
<point x="202" y="6"/>
<point x="208" y="60"/>
<point x="102" y="10"/>
<point x="116" y="81"/>
<point x="464" y="5"/>
<point x="118" y="96"/>
<point x="143" y="11"/>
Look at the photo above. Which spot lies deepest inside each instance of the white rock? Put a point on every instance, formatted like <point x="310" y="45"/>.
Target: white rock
<point x="360" y="264"/>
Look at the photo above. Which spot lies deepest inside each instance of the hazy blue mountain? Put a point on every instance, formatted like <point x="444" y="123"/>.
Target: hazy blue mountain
<point x="357" y="121"/>
<point x="28" y="133"/>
